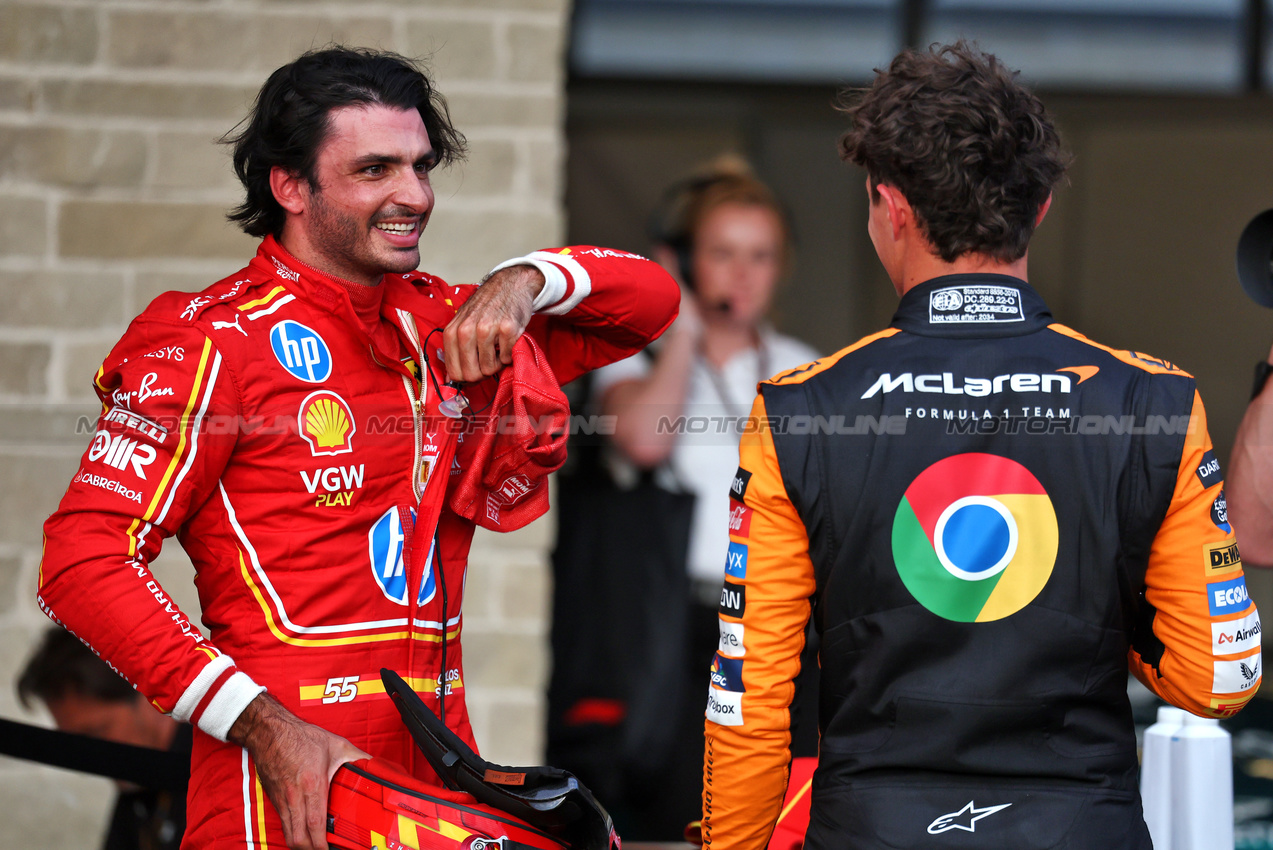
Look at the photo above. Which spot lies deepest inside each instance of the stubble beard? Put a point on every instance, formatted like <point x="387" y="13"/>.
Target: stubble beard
<point x="347" y="243"/>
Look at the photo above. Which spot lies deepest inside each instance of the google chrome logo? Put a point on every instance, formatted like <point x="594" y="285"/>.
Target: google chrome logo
<point x="975" y="538"/>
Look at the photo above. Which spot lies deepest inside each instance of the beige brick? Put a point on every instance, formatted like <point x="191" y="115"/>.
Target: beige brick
<point x="150" y="285"/>
<point x="516" y="732"/>
<point x="18" y="94"/>
<point x="454" y="50"/>
<point x="33" y="486"/>
<point x="475" y="241"/>
<point x="537" y="53"/>
<point x="23" y="229"/>
<point x="24" y="367"/>
<point x="298" y="35"/>
<point x="80" y="363"/>
<point x="121" y="229"/>
<point x="75" y="158"/>
<point x="118" y="99"/>
<point x="181" y="39"/>
<point x="193" y="161"/>
<point x="503" y="660"/>
<point x="61" y="299"/>
<point x="216" y="41"/>
<point x="67" y="426"/>
<point x="479" y="589"/>
<point x="488" y="170"/>
<point x="509" y="5"/>
<point x="176" y="575"/>
<point x="48" y="807"/>
<point x="526" y="592"/>
<point x="546" y="170"/>
<point x="469" y="110"/>
<point x="10" y="578"/>
<point x="44" y="34"/>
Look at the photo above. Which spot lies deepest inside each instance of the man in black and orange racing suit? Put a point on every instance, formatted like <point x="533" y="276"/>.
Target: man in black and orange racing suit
<point x="989" y="517"/>
<point x="284" y="423"/>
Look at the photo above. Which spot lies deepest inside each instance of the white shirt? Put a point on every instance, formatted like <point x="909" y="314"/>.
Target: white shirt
<point x="705" y="456"/>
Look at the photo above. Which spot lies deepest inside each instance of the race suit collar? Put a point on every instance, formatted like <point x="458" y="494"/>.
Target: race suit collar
<point x="326" y="291"/>
<point x="334" y="296"/>
<point x="972" y="305"/>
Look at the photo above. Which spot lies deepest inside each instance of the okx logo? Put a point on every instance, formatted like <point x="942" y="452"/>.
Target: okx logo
<point x="975" y="538"/>
<point x="385" y="543"/>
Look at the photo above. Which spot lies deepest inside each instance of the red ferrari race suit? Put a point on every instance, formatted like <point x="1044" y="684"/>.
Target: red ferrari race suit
<point x="293" y="444"/>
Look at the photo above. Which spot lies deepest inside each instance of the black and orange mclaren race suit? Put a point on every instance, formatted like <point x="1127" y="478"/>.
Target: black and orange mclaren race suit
<point x="291" y="439"/>
<point x="990" y="518"/>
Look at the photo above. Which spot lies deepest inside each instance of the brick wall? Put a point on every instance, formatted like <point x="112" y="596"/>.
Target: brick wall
<point x="112" y="190"/>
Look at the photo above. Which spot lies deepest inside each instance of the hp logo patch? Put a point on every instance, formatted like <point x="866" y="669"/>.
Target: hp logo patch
<point x="301" y="351"/>
<point x="975" y="538"/>
<point x="384" y="544"/>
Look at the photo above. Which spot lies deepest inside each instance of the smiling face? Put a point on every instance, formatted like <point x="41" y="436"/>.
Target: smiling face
<point x="373" y="197"/>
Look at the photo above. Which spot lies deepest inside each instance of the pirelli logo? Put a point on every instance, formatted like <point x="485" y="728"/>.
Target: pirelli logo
<point x="1221" y="558"/>
<point x="1226" y="706"/>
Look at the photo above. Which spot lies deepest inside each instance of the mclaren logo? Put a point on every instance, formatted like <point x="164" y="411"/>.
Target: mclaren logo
<point x="946" y="383"/>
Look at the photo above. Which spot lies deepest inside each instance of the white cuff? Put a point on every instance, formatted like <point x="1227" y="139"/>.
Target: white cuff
<point x="228" y="704"/>
<point x="215" y="713"/>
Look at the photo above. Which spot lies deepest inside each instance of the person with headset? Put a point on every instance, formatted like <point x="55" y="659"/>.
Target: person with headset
<point x="725" y="237"/>
<point x="677" y="408"/>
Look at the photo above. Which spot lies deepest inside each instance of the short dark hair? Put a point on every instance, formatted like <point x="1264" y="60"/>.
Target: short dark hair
<point x="290" y="120"/>
<point x="973" y="150"/>
<point x="61" y="665"/>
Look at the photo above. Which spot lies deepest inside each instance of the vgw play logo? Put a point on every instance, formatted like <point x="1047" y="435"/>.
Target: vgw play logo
<point x="975" y="538"/>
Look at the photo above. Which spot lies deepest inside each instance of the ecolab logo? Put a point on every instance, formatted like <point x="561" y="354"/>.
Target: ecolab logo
<point x="945" y="383"/>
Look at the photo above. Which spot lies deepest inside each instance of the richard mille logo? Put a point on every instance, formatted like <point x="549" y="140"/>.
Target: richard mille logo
<point x="965" y="819"/>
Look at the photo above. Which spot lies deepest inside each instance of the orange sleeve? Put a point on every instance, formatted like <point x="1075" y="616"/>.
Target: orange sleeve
<point x="1204" y="653"/>
<point x="765" y="607"/>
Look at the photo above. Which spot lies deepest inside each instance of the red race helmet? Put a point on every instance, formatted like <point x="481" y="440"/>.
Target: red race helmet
<point x="375" y="804"/>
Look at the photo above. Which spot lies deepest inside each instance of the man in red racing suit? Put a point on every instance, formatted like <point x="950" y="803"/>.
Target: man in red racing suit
<point x="284" y="424"/>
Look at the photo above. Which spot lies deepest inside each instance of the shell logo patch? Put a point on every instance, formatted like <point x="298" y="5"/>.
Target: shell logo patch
<point x="327" y="423"/>
<point x="975" y="538"/>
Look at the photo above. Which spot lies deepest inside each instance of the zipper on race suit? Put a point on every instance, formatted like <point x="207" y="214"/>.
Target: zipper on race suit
<point x="416" y="549"/>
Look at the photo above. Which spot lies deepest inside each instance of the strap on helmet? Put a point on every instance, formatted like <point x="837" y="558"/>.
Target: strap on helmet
<point x="546" y="797"/>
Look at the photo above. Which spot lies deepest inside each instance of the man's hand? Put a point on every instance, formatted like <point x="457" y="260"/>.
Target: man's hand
<point x="295" y="761"/>
<point x="479" y="341"/>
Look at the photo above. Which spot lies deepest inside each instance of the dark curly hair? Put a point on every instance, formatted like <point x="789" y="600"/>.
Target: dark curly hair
<point x="62" y="666"/>
<point x="289" y="121"/>
<point x="972" y="150"/>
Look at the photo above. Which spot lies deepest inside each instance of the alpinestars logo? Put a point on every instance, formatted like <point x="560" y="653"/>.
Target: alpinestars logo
<point x="965" y="819"/>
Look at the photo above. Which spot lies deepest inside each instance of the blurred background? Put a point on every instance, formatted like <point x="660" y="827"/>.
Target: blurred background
<point x="579" y="115"/>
